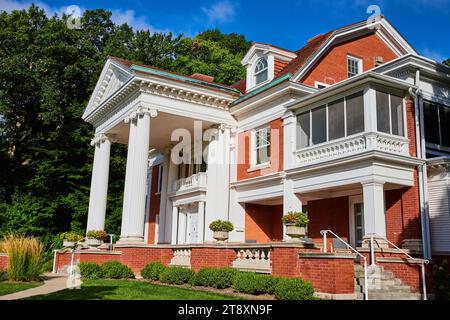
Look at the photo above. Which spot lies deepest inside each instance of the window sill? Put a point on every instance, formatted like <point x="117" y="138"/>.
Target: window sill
<point x="259" y="167"/>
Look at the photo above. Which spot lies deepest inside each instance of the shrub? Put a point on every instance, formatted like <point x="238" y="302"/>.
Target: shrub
<point x="90" y="270"/>
<point x="116" y="270"/>
<point x="253" y="283"/>
<point x="299" y="219"/>
<point x="220" y="225"/>
<point x="441" y="280"/>
<point x="3" y="275"/>
<point x="25" y="257"/>
<point x="70" y="236"/>
<point x="176" y="275"/>
<point x="217" y="278"/>
<point x="293" y="289"/>
<point x="153" y="270"/>
<point x="97" y="234"/>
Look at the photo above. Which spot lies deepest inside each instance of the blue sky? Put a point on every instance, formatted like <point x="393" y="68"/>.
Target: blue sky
<point x="289" y="24"/>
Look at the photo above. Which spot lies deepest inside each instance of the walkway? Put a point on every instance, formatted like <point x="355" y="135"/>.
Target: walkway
<point x="52" y="283"/>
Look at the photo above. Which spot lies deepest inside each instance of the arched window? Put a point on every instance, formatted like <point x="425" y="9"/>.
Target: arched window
<point x="261" y="71"/>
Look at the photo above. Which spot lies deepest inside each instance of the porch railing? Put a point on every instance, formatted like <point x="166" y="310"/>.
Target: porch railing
<point x="198" y="180"/>
<point x="352" y="145"/>
<point x="422" y="262"/>
<point x="324" y="234"/>
<point x="253" y="259"/>
<point x="181" y="258"/>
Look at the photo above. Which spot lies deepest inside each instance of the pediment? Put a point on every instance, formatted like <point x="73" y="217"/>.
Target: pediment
<point x="113" y="77"/>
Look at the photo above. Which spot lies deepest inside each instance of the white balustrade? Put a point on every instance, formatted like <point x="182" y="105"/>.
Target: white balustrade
<point x="350" y="146"/>
<point x="253" y="259"/>
<point x="198" y="180"/>
<point x="181" y="258"/>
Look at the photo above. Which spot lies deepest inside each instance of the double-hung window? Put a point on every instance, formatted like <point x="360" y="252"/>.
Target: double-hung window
<point x="354" y="66"/>
<point x="261" y="146"/>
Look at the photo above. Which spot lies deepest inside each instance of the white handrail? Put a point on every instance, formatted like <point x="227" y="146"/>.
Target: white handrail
<point x="324" y="233"/>
<point x="422" y="265"/>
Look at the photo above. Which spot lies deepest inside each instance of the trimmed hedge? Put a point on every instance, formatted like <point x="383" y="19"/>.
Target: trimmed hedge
<point x="217" y="278"/>
<point x="116" y="270"/>
<point x="253" y="283"/>
<point x="153" y="270"/>
<point x="176" y="275"/>
<point x="90" y="270"/>
<point x="293" y="289"/>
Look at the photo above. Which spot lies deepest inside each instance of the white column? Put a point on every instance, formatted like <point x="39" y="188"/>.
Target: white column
<point x="133" y="215"/>
<point x="374" y="208"/>
<point x="164" y="196"/>
<point x="174" y="225"/>
<point x="168" y="223"/>
<point x="370" y="110"/>
<point x="99" y="183"/>
<point x="291" y="202"/>
<point x="201" y="222"/>
<point x="289" y="140"/>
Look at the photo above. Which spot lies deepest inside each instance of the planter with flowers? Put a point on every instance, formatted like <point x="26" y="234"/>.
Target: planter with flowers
<point x="295" y="223"/>
<point x="95" y="238"/>
<point x="221" y="229"/>
<point x="70" y="238"/>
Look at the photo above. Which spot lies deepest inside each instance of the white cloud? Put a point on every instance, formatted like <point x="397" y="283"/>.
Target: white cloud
<point x="136" y="22"/>
<point x="220" y="12"/>
<point x="433" y="55"/>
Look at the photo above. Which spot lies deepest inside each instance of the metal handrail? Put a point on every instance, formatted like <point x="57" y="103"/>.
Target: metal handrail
<point x="422" y="264"/>
<point x="324" y="233"/>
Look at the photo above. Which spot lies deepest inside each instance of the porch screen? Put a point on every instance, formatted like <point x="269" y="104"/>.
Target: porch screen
<point x="390" y="114"/>
<point x="303" y="130"/>
<point x="336" y="122"/>
<point x="437" y="123"/>
<point x="319" y="125"/>
<point x="355" y="113"/>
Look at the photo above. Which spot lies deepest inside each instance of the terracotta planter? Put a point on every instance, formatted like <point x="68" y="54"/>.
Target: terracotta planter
<point x="295" y="232"/>
<point x="92" y="242"/>
<point x="220" y="235"/>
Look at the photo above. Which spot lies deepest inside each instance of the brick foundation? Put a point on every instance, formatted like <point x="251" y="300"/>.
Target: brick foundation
<point x="3" y="261"/>
<point x="211" y="258"/>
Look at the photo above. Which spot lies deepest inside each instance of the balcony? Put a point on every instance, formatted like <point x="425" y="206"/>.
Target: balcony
<point x="352" y="145"/>
<point x="194" y="182"/>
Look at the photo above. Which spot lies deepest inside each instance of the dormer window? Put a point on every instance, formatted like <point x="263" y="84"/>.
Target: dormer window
<point x="261" y="71"/>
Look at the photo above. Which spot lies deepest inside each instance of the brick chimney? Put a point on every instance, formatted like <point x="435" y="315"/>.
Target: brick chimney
<point x="202" y="77"/>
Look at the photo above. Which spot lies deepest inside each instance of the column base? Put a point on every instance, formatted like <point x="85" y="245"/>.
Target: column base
<point x="134" y="241"/>
<point x="378" y="242"/>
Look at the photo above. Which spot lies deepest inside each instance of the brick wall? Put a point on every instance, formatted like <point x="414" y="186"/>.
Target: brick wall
<point x="328" y="214"/>
<point x="263" y="223"/>
<point x="332" y="68"/>
<point x="276" y="152"/>
<point x="3" y="261"/>
<point x="211" y="258"/>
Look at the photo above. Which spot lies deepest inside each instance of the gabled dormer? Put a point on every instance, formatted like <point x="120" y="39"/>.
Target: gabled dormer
<point x="263" y="62"/>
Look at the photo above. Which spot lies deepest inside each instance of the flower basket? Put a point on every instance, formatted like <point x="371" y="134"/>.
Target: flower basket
<point x="295" y="223"/>
<point x="221" y="229"/>
<point x="95" y="238"/>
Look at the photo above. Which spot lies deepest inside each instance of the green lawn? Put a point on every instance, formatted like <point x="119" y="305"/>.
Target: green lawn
<point x="11" y="287"/>
<point x="130" y="290"/>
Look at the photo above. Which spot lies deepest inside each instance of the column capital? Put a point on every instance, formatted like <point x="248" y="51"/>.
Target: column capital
<point x="99" y="138"/>
<point x="223" y="126"/>
<point x="373" y="181"/>
<point x="139" y="112"/>
<point x="288" y="115"/>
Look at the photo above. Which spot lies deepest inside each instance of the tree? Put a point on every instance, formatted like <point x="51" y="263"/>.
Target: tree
<point x="447" y="62"/>
<point x="47" y="74"/>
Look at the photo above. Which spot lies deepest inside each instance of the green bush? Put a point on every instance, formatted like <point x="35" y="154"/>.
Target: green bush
<point x="153" y="270"/>
<point x="253" y="283"/>
<point x="441" y="280"/>
<point x="217" y="278"/>
<point x="298" y="219"/>
<point x="90" y="270"/>
<point x="176" y="275"/>
<point x="293" y="289"/>
<point x="116" y="270"/>
<point x="3" y="275"/>
<point x="97" y="234"/>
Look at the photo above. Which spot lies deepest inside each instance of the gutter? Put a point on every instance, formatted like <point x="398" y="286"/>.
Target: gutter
<point x="422" y="172"/>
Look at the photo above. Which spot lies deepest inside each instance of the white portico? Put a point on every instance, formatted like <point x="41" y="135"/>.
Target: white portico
<point x="150" y="110"/>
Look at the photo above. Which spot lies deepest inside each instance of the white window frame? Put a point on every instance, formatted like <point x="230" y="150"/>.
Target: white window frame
<point x="255" y="148"/>
<point x="359" y="62"/>
<point x="256" y="73"/>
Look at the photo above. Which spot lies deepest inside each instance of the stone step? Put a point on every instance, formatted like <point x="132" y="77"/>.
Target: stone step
<point x="393" y="296"/>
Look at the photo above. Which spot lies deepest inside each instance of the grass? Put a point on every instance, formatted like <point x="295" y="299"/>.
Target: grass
<point x="130" y="290"/>
<point x="11" y="287"/>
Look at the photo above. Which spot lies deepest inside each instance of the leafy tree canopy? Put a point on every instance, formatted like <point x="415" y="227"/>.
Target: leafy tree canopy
<point x="47" y="74"/>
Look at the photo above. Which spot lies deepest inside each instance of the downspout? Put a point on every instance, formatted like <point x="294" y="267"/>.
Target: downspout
<point x="422" y="172"/>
